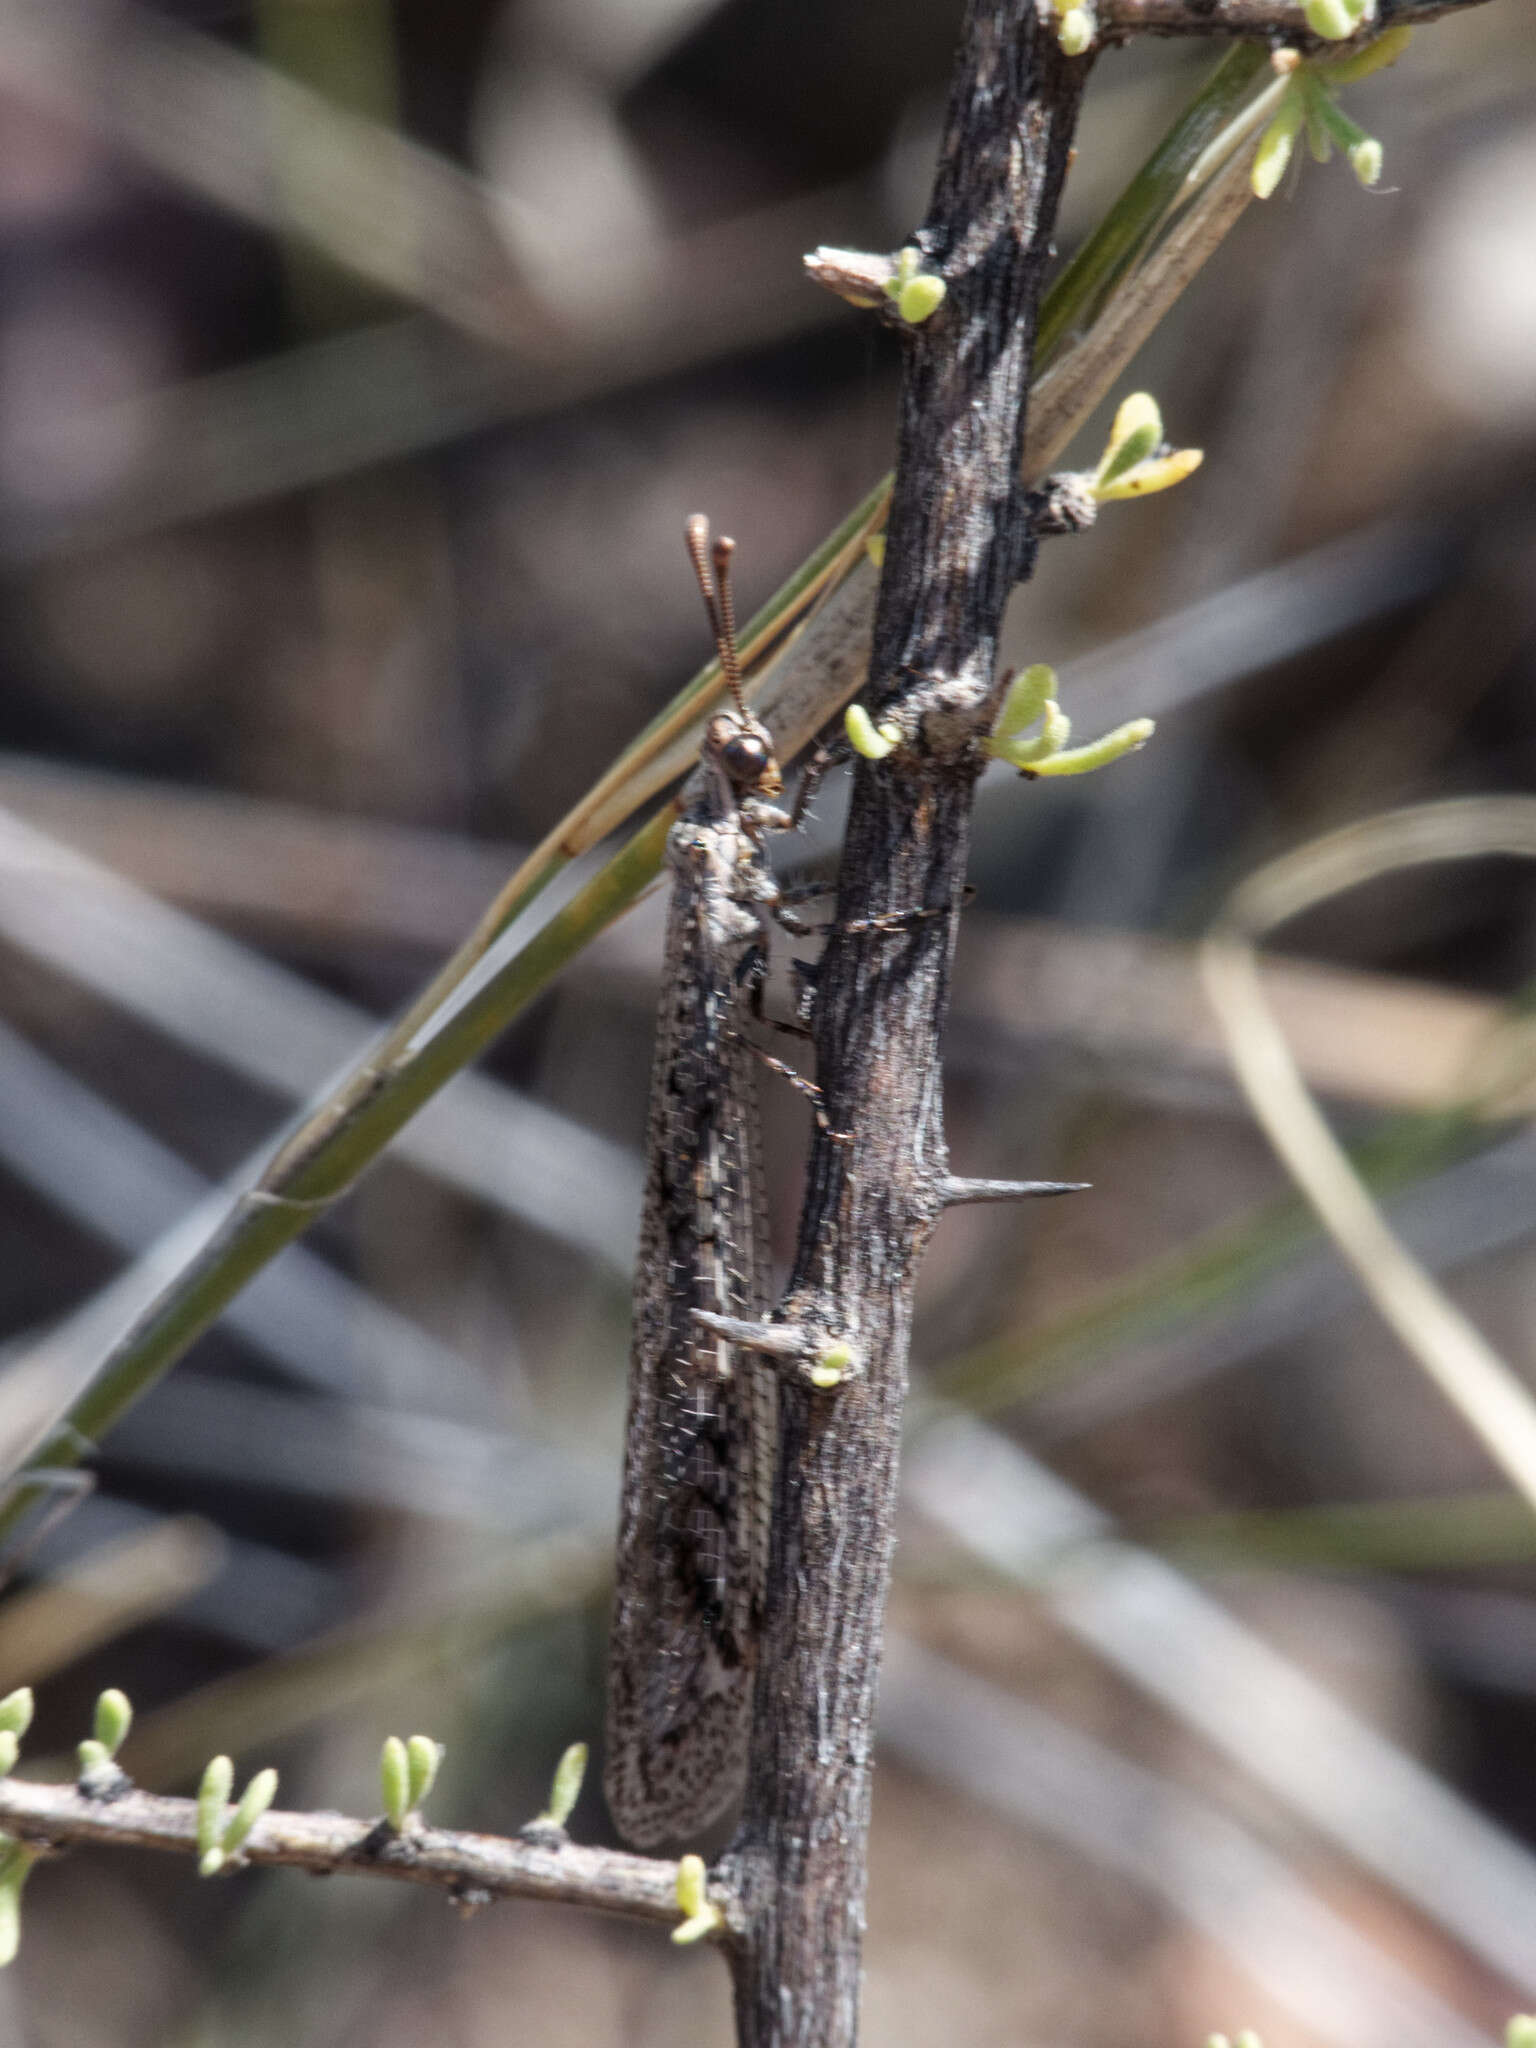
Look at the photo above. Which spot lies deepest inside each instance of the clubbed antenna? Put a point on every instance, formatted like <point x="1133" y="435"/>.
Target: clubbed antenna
<point x="715" y="589"/>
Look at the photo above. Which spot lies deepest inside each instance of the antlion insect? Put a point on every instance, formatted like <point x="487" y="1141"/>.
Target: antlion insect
<point x="701" y="1431"/>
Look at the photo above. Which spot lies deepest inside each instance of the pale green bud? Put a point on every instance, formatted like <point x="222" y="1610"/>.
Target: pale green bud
<point x="423" y="1757"/>
<point x="212" y="1798"/>
<point x="1137" y="430"/>
<point x="1027" y="697"/>
<point x="908" y="263"/>
<point x="1161" y="473"/>
<point x="830" y="1367"/>
<point x="1274" y="151"/>
<point x="16" y="1711"/>
<point x="15" y="1868"/>
<point x="395" y="1781"/>
<point x="691" y="1893"/>
<point x="1365" y="160"/>
<point x="113" y="1719"/>
<point x="1055" y="731"/>
<point x="1125" y="739"/>
<point x="1076" y="31"/>
<point x="700" y="1917"/>
<point x="254" y="1801"/>
<point x="1333" y="20"/>
<point x="565" y="1786"/>
<point x="1374" y="57"/>
<point x="921" y="298"/>
<point x="873" y="741"/>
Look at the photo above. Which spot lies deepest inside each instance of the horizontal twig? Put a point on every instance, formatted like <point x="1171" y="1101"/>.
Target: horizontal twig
<point x="1282" y="20"/>
<point x="472" y="1869"/>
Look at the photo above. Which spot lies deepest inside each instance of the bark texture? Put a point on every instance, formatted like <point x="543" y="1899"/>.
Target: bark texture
<point x="959" y="538"/>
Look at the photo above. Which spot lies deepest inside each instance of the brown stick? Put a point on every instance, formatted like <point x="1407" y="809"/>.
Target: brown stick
<point x="1282" y="21"/>
<point x="472" y="1869"/>
<point x="957" y="542"/>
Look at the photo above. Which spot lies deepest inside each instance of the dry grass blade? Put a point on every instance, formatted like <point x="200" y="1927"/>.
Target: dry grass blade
<point x="1471" y="1375"/>
<point x="104" y="1594"/>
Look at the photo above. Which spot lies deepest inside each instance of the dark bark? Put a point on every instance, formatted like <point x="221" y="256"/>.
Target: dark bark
<point x="959" y="538"/>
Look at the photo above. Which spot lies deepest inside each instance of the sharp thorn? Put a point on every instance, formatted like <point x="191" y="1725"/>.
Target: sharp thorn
<point x="955" y="1188"/>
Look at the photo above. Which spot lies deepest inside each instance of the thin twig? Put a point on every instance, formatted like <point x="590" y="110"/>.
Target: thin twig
<point x="473" y="1869"/>
<point x="1281" y="21"/>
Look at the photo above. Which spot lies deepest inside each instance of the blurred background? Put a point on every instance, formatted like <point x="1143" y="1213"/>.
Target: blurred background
<point x="358" y="366"/>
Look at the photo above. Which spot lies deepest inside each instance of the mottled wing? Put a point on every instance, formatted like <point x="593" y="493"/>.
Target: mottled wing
<point x="700" y="1432"/>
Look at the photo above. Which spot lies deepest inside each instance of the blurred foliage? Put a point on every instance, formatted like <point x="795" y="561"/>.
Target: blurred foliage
<point x="346" y="434"/>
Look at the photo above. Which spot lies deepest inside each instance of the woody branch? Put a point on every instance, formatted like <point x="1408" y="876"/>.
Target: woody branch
<point x="1279" y="21"/>
<point x="958" y="540"/>
<point x="471" y="1869"/>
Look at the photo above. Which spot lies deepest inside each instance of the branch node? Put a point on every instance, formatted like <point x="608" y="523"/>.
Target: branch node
<point x="899" y="285"/>
<point x="804" y="1354"/>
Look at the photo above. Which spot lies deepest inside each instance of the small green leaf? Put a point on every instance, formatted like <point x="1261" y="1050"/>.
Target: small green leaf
<point x="1027" y="697"/>
<point x="1274" y="151"/>
<point x="1333" y="20"/>
<point x="1332" y="117"/>
<point x="691" y="1893"/>
<point x="395" y="1781"/>
<point x="212" y="1798"/>
<point x="1055" y="731"/>
<point x="10" y="1749"/>
<point x="1365" y="160"/>
<point x="1075" y="33"/>
<point x="1361" y="63"/>
<point x="830" y="1367"/>
<point x="1125" y="739"/>
<point x="921" y="298"/>
<point x="699" y="1916"/>
<point x="423" y="1758"/>
<point x="92" y="1754"/>
<point x="254" y="1801"/>
<point x="1137" y="431"/>
<point x="1521" y="2031"/>
<point x="114" y="1717"/>
<point x="873" y="741"/>
<point x="16" y="1711"/>
<point x="16" y="1863"/>
<point x="1161" y="473"/>
<point x="908" y="262"/>
<point x="565" y="1786"/>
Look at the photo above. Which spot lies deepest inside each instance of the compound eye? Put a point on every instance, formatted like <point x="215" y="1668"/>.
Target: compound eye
<point x="745" y="759"/>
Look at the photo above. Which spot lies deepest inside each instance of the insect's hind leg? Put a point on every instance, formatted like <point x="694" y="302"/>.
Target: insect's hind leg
<point x="809" y="1089"/>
